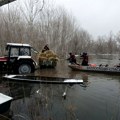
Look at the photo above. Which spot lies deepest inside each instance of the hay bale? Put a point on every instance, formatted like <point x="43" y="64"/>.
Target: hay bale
<point x="48" y="58"/>
<point x="54" y="55"/>
<point x="53" y="59"/>
<point x="42" y="55"/>
<point x="49" y="55"/>
<point x="42" y="58"/>
<point x="49" y="52"/>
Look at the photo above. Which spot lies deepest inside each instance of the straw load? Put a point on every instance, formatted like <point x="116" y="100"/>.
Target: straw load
<point x="48" y="58"/>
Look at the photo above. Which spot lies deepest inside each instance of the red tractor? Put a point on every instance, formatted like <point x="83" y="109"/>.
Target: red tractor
<point x="18" y="59"/>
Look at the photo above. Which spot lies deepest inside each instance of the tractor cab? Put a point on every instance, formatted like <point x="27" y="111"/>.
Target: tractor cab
<point x="15" y="50"/>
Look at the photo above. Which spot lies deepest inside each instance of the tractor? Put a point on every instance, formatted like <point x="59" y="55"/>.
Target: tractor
<point x="18" y="59"/>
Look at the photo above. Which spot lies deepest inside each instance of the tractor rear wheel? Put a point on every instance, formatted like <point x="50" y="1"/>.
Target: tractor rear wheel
<point x="24" y="68"/>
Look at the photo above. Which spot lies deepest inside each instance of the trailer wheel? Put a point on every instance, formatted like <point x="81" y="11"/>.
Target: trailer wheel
<point x="24" y="68"/>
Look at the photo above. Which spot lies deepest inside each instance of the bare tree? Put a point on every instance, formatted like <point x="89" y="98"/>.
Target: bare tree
<point x="111" y="44"/>
<point x="30" y="11"/>
<point x="118" y="41"/>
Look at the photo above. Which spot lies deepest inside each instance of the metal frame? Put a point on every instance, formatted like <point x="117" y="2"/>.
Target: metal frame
<point x="3" y="2"/>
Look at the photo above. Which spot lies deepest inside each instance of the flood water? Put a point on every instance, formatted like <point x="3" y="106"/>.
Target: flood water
<point x="99" y="99"/>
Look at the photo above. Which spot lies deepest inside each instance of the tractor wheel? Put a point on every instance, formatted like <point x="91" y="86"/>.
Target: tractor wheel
<point x="24" y="68"/>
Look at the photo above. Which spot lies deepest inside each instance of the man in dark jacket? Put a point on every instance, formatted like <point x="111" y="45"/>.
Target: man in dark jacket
<point x="72" y="58"/>
<point x="85" y="59"/>
<point x="45" y="48"/>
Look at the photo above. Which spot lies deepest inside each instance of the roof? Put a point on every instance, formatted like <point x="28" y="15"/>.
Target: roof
<point x="18" y="44"/>
<point x="3" y="2"/>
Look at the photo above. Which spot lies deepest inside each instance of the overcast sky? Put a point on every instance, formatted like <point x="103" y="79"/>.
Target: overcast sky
<point x="98" y="17"/>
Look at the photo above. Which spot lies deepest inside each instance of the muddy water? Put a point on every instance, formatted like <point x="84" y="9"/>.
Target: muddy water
<point x="98" y="99"/>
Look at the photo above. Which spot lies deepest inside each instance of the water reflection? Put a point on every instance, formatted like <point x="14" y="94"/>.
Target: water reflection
<point x="40" y="98"/>
<point x="80" y="75"/>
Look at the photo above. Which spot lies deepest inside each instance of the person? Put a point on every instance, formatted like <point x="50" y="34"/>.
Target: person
<point x="45" y="48"/>
<point x="85" y="59"/>
<point x="72" y="58"/>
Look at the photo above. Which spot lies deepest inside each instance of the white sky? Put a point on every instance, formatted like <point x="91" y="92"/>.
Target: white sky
<point x="98" y="17"/>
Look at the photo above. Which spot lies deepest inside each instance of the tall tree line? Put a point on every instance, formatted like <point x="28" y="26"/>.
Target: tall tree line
<point x="39" y="22"/>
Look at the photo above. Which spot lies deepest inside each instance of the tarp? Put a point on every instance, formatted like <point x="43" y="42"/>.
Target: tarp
<point x="3" y="2"/>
